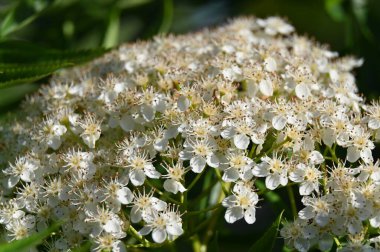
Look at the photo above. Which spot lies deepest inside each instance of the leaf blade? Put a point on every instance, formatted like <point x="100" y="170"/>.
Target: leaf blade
<point x="266" y="242"/>
<point x="33" y="240"/>
<point x="22" y="62"/>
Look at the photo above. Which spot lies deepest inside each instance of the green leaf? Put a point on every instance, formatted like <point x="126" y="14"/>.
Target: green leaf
<point x="266" y="242"/>
<point x="29" y="242"/>
<point x="21" y="52"/>
<point x="167" y="16"/>
<point x="21" y="15"/>
<point x="125" y="4"/>
<point x="360" y="10"/>
<point x="111" y="37"/>
<point x="22" y="62"/>
<point x="335" y="9"/>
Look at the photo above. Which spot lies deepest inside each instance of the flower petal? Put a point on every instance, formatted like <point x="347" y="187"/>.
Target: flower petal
<point x="250" y="215"/>
<point x="241" y="141"/>
<point x="302" y="91"/>
<point x="159" y="235"/>
<point x="124" y="195"/>
<point x="272" y="181"/>
<point x="230" y="175"/>
<point x="353" y="154"/>
<point x="197" y="164"/>
<point x="266" y="87"/>
<point x="279" y="122"/>
<point x="174" y="229"/>
<point x="233" y="214"/>
<point x="137" y="177"/>
<point x="212" y="160"/>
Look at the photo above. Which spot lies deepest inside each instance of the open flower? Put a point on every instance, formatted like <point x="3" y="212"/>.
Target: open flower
<point x="200" y="153"/>
<point x="24" y="168"/>
<point x="242" y="203"/>
<point x="141" y="166"/>
<point x="174" y="177"/>
<point x="274" y="170"/>
<point x="163" y="225"/>
<point x="91" y="130"/>
<point x="308" y="176"/>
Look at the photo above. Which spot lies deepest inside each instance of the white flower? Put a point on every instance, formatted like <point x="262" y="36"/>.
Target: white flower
<point x="116" y="194"/>
<point x="163" y="225"/>
<point x="360" y="146"/>
<point x="354" y="218"/>
<point x="308" y="176"/>
<point x="270" y="64"/>
<point x="144" y="205"/>
<point x="91" y="130"/>
<point x="374" y="116"/>
<point x="298" y="234"/>
<point x="80" y="163"/>
<point x="319" y="209"/>
<point x="51" y="132"/>
<point x="21" y="228"/>
<point x="371" y="171"/>
<point x="239" y="166"/>
<point x="234" y="73"/>
<point x="106" y="221"/>
<point x="151" y="102"/>
<point x="275" y="25"/>
<point x="85" y="198"/>
<point x="241" y="204"/>
<point x="29" y="194"/>
<point x="11" y="210"/>
<point x="200" y="153"/>
<point x="140" y="167"/>
<point x="202" y="128"/>
<point x="109" y="242"/>
<point x="281" y="111"/>
<point x="174" y="177"/>
<point x="274" y="170"/>
<point x="25" y="168"/>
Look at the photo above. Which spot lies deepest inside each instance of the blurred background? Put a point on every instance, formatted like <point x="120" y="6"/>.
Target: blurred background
<point x="351" y="27"/>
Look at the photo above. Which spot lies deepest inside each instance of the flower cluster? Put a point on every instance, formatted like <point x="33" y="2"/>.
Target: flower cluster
<point x="114" y="146"/>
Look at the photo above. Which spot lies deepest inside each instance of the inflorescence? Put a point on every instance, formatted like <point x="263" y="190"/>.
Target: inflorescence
<point x="112" y="148"/>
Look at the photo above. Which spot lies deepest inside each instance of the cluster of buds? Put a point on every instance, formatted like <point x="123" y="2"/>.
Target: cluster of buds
<point x="114" y="147"/>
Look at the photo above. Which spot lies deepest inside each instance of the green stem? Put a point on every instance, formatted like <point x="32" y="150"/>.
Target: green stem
<point x="252" y="151"/>
<point x="111" y="37"/>
<point x="214" y="219"/>
<point x="143" y="242"/>
<point x="197" y="244"/>
<point x="333" y="155"/>
<point x="133" y="232"/>
<point x="325" y="178"/>
<point x="205" y="192"/>
<point x="337" y="242"/>
<point x="214" y="207"/>
<point x="167" y="17"/>
<point x="195" y="180"/>
<point x="292" y="200"/>
<point x="222" y="183"/>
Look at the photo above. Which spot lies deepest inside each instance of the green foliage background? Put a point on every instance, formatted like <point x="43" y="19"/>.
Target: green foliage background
<point x="38" y="37"/>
